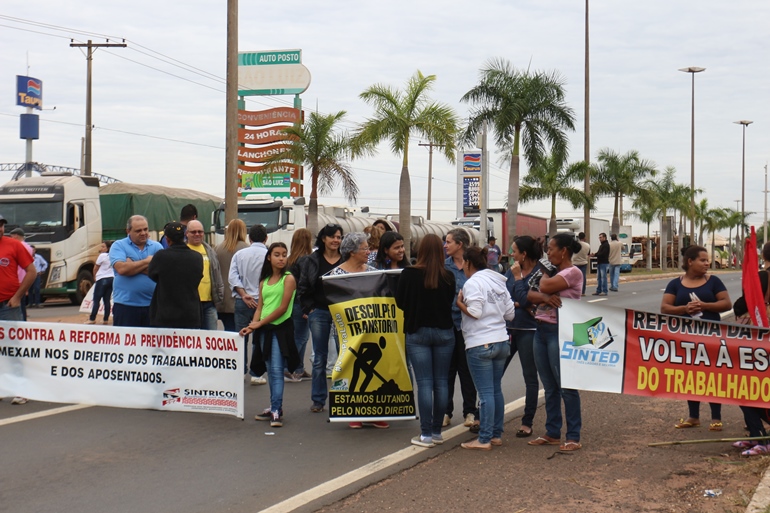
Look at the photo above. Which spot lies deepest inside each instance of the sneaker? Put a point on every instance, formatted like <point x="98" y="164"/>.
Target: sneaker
<point x="438" y="439"/>
<point x="469" y="420"/>
<point x="276" y="420"/>
<point x="265" y="415"/>
<point x="447" y="421"/>
<point x="317" y="408"/>
<point x="89" y="321"/>
<point x="19" y="400"/>
<point x="379" y="425"/>
<point x="355" y="425"/>
<point x="258" y="380"/>
<point x="423" y="442"/>
<point x="613" y="290"/>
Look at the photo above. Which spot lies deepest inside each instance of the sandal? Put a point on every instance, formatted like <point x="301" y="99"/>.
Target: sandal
<point x="523" y="434"/>
<point x="744" y="444"/>
<point x="570" y="445"/>
<point x="756" y="451"/>
<point x="715" y="426"/>
<point x="544" y="440"/>
<point x="684" y="424"/>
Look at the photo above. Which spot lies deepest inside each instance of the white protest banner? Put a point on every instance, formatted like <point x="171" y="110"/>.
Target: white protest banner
<point x="162" y="369"/>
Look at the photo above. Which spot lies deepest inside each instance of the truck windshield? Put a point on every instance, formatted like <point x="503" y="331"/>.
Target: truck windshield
<point x="271" y="219"/>
<point x="33" y="215"/>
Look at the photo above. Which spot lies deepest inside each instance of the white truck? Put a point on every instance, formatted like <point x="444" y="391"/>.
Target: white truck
<point x="631" y="252"/>
<point x="574" y="225"/>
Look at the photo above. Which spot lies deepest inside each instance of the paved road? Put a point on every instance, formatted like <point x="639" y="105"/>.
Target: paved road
<point x="98" y="459"/>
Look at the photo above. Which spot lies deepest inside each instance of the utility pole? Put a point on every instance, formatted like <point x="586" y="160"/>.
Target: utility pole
<point x="91" y="46"/>
<point x="587" y="138"/>
<point x="231" y="114"/>
<point x="430" y="147"/>
<point x="764" y="241"/>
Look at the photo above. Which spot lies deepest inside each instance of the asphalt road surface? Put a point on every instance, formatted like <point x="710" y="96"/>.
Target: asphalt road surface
<point x="96" y="459"/>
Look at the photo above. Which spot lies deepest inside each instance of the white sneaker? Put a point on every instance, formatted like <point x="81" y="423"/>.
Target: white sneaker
<point x="258" y="380"/>
<point x="469" y="420"/>
<point x="19" y="400"/>
<point x="447" y="421"/>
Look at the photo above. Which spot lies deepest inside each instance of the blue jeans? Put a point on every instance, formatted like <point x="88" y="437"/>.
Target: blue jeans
<point x="487" y="364"/>
<point x="102" y="292"/>
<point x="584" y="270"/>
<point x="301" y="334"/>
<point x="320" y="322"/>
<point x="10" y="314"/>
<point x="243" y="316"/>
<point x="547" y="358"/>
<point x="430" y="353"/>
<point x="208" y="316"/>
<point x="459" y="367"/>
<point x="275" y="373"/>
<point x="131" y="316"/>
<point x="523" y="341"/>
<point x="601" y="278"/>
<point x="34" y="292"/>
<point x="614" y="276"/>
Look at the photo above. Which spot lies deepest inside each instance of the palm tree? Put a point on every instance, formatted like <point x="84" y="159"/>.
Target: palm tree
<point x="549" y="179"/>
<point x="620" y="175"/>
<point x="398" y="114"/>
<point x="647" y="211"/>
<point x="715" y="219"/>
<point x="322" y="149"/>
<point x="525" y="111"/>
<point x="667" y="194"/>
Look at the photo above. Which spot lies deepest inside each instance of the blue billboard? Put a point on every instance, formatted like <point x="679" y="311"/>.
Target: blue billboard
<point x="29" y="92"/>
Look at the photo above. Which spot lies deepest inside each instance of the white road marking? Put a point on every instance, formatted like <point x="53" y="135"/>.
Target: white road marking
<point x="595" y="300"/>
<point x="45" y="413"/>
<point x="328" y="487"/>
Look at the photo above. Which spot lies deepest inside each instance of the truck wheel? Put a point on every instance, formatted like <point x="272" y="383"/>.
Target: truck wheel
<point x="84" y="282"/>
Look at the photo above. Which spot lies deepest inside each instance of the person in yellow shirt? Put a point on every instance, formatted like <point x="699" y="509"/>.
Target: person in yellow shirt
<point x="211" y="288"/>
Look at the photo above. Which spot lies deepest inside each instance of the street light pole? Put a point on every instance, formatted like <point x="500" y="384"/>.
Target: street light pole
<point x="764" y="240"/>
<point x="745" y="123"/>
<point x="692" y="70"/>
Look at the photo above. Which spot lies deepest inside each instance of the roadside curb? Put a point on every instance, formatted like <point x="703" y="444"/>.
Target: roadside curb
<point x="761" y="498"/>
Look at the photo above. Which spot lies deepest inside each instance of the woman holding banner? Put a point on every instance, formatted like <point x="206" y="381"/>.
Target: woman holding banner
<point x="566" y="282"/>
<point x="273" y="317"/>
<point x="316" y="307"/>
<point x="700" y="295"/>
<point x="485" y="305"/>
<point x="425" y="293"/>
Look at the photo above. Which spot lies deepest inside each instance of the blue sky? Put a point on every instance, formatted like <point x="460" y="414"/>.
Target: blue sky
<point x="638" y="98"/>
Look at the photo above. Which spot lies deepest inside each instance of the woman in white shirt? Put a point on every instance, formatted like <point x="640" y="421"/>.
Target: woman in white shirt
<point x="103" y="287"/>
<point x="485" y="305"/>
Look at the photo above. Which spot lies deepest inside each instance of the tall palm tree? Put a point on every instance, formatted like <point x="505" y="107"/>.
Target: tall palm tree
<point x="322" y="148"/>
<point x="526" y="111"/>
<point x="646" y="211"/>
<point x="701" y="211"/>
<point x="716" y="219"/>
<point x="399" y="114"/>
<point x="667" y="193"/>
<point x="551" y="179"/>
<point x="620" y="175"/>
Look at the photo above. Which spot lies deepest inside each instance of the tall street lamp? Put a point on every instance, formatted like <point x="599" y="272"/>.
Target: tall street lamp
<point x="745" y="123"/>
<point x="692" y="70"/>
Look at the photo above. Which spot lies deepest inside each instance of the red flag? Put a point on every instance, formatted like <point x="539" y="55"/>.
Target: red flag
<point x="752" y="288"/>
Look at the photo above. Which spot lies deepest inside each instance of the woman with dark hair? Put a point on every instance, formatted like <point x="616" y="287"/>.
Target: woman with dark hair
<point x="485" y="305"/>
<point x="301" y="246"/>
<point x="456" y="243"/>
<point x="567" y="282"/>
<point x="425" y="294"/>
<point x="316" y="307"/>
<point x="273" y="317"/>
<point x="391" y="253"/>
<point x="526" y="252"/>
<point x="700" y="295"/>
<point x="103" y="287"/>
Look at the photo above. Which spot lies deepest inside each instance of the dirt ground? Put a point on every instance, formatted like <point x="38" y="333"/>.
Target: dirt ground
<point x="615" y="470"/>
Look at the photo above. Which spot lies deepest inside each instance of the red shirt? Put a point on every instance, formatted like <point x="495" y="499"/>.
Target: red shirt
<point x="13" y="254"/>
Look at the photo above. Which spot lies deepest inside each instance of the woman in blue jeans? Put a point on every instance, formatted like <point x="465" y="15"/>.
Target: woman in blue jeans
<point x="425" y="293"/>
<point x="526" y="252"/>
<point x="566" y="282"/>
<point x="485" y="305"/>
<point x="316" y="307"/>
